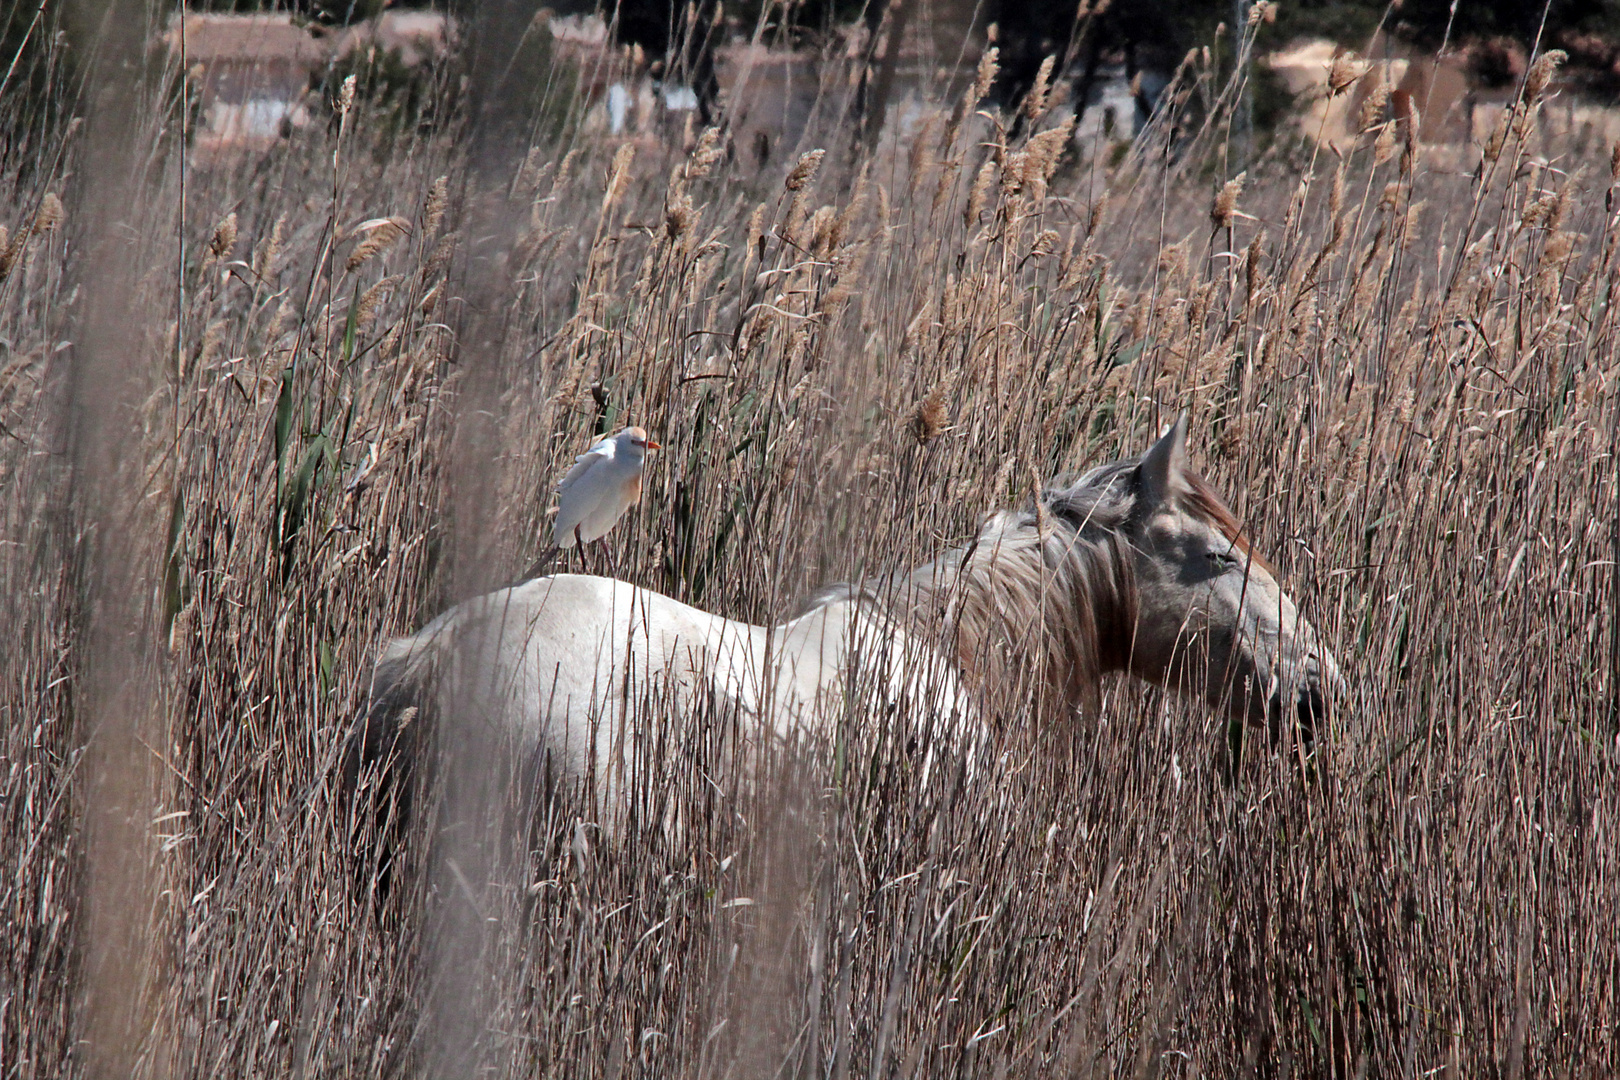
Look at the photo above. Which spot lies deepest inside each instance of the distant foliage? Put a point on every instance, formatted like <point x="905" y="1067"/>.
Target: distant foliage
<point x="1499" y="34"/>
<point x="399" y="96"/>
<point x="326" y="12"/>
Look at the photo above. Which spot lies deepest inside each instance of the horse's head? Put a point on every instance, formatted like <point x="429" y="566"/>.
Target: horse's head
<point x="1208" y="615"/>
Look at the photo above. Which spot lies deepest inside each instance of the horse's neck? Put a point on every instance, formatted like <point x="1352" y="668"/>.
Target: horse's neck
<point x="857" y="644"/>
<point x="812" y="647"/>
<point x="1017" y="605"/>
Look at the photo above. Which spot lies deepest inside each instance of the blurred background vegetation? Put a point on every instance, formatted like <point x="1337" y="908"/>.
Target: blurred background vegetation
<point x="1499" y="35"/>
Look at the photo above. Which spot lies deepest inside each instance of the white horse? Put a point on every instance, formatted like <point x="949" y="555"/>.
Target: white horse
<point x="1138" y="566"/>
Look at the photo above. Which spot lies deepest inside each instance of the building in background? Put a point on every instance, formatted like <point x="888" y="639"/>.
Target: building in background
<point x="253" y="73"/>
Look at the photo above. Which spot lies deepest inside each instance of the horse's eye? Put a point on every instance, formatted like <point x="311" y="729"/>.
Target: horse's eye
<point x="1225" y="559"/>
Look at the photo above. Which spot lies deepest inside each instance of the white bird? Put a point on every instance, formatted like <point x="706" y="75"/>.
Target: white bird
<point x="604" y="482"/>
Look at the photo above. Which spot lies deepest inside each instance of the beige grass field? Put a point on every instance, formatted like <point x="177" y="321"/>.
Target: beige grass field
<point x="251" y="431"/>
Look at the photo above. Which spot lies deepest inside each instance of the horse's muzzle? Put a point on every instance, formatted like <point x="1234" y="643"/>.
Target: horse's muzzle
<point x="1313" y="695"/>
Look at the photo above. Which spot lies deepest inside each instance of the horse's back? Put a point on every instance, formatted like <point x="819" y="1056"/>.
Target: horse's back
<point x="584" y="670"/>
<point x="560" y="663"/>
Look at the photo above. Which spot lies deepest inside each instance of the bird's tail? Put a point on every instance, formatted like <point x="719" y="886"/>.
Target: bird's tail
<point x="544" y="563"/>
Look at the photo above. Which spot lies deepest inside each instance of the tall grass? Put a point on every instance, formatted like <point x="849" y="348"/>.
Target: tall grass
<point x="1404" y="378"/>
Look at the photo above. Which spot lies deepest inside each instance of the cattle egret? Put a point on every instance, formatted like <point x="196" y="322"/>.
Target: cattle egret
<point x="604" y="482"/>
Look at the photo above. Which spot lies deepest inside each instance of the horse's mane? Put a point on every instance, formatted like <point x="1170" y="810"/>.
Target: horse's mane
<point x="1044" y="598"/>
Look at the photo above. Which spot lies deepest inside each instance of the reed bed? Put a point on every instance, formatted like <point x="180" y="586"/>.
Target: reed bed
<point x="1403" y="376"/>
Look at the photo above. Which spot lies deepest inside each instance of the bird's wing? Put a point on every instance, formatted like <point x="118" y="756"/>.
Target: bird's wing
<point x="617" y="495"/>
<point x="602" y="451"/>
<point x="577" y="497"/>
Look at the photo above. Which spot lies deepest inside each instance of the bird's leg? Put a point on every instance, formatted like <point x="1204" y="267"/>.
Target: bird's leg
<point x="579" y="546"/>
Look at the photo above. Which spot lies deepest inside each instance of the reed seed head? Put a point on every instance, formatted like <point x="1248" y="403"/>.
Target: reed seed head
<point x="224" y="237"/>
<point x="928" y="417"/>
<point x="365" y="311"/>
<point x="439" y="258"/>
<point x="264" y="260"/>
<point x="1044" y="151"/>
<point x="1541" y="72"/>
<point x="1560" y="246"/>
<point x="1036" y="101"/>
<point x="1225" y="205"/>
<point x="1173" y="261"/>
<point x="981" y="188"/>
<point x="1560" y="202"/>
<point x="819" y="230"/>
<point x="708" y="152"/>
<point x="921" y="155"/>
<point x="1012" y="171"/>
<point x="804" y="170"/>
<point x="1341" y="74"/>
<point x="1373" y="105"/>
<point x="985" y="77"/>
<point x="618" y="175"/>
<point x="844" y="227"/>
<point x="50" y="214"/>
<point x="1384" y="145"/>
<point x="1535" y="214"/>
<point x="381" y="234"/>
<point x="1494" y="144"/>
<point x="438" y="197"/>
<point x="678" y="217"/>
<point x="1098" y="209"/>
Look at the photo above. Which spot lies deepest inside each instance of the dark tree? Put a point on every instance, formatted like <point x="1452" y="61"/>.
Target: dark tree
<point x="679" y="38"/>
<point x="1142" y="36"/>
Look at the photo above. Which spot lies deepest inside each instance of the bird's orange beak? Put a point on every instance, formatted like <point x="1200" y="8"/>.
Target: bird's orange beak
<point x="650" y="445"/>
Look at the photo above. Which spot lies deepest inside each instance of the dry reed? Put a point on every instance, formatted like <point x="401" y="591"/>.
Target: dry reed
<point x="845" y="374"/>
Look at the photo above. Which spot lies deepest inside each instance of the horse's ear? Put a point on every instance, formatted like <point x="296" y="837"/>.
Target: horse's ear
<point x="1162" y="472"/>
